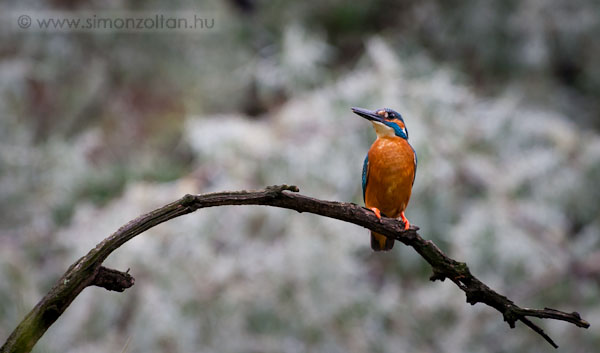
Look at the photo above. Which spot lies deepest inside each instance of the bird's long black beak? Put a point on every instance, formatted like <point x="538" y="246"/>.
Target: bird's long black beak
<point x="367" y="114"/>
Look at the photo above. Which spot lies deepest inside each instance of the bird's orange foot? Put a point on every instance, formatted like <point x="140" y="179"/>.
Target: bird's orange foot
<point x="405" y="221"/>
<point x="377" y="212"/>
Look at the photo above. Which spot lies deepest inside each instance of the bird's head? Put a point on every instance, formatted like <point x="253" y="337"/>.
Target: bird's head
<point x="387" y="122"/>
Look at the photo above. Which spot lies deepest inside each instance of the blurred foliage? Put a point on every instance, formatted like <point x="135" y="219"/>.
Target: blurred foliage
<point x="501" y="102"/>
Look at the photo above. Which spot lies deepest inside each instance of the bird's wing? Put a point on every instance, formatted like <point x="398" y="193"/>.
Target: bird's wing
<point x="365" y="175"/>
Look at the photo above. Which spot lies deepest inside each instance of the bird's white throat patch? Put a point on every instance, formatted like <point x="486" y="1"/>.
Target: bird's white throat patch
<point x="382" y="130"/>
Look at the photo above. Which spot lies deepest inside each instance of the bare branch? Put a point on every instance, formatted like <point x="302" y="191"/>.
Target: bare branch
<point x="88" y="270"/>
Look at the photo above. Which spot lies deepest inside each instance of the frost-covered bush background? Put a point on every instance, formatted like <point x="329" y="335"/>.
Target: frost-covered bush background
<point x="96" y="129"/>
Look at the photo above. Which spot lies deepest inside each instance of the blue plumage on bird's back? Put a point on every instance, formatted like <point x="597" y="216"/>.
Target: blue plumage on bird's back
<point x="365" y="172"/>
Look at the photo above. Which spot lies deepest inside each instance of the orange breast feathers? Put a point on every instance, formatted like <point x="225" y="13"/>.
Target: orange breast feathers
<point x="390" y="176"/>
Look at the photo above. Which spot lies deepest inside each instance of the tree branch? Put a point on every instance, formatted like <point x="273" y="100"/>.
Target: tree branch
<point x="88" y="270"/>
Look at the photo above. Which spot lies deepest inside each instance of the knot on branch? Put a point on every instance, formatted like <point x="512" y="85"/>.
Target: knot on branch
<point x="113" y="280"/>
<point x="511" y="317"/>
<point x="474" y="296"/>
<point x="437" y="275"/>
<point x="188" y="200"/>
<point x="51" y="313"/>
<point x="278" y="189"/>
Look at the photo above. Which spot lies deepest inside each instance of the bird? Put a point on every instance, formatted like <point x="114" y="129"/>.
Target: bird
<point x="389" y="170"/>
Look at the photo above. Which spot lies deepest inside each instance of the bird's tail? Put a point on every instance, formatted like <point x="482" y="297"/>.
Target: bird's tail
<point x="380" y="242"/>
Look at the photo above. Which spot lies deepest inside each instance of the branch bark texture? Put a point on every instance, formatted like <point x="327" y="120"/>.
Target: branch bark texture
<point x="88" y="270"/>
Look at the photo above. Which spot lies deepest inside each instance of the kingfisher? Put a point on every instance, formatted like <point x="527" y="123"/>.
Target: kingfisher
<point x="388" y="171"/>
